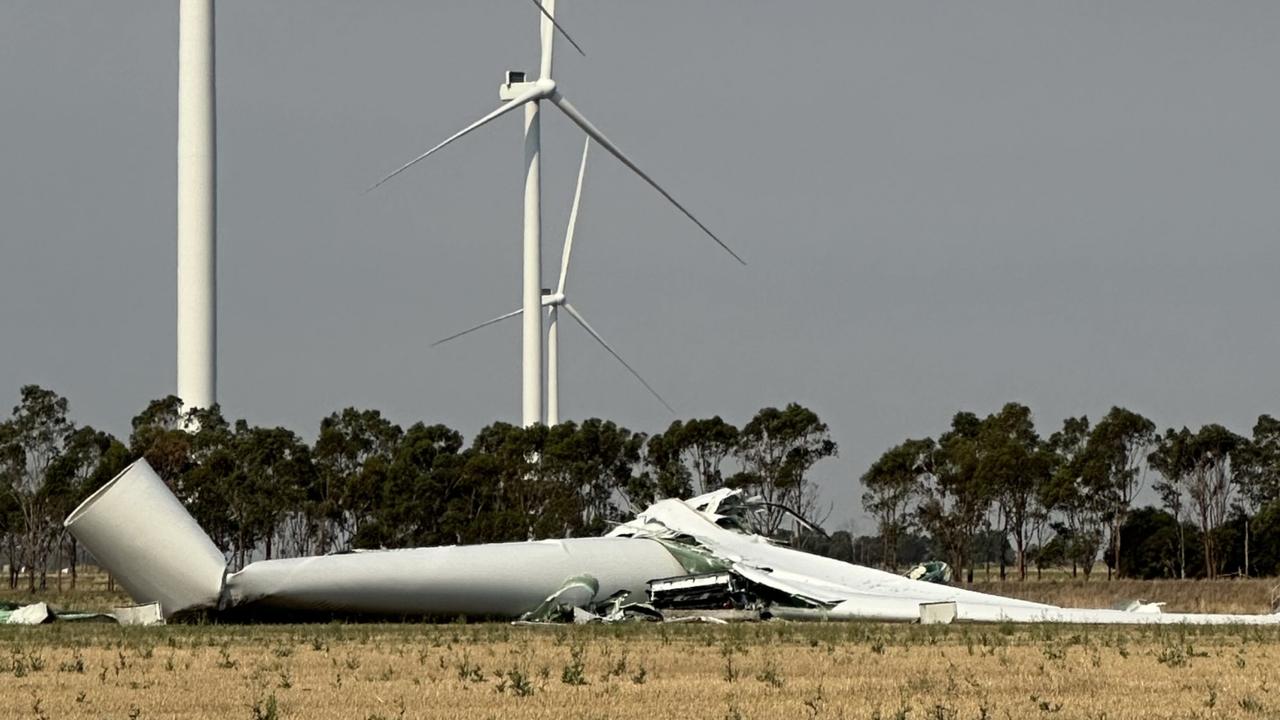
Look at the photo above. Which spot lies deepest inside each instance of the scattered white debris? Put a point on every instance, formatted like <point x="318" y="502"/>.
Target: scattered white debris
<point x="33" y="614"/>
<point x="145" y="614"/>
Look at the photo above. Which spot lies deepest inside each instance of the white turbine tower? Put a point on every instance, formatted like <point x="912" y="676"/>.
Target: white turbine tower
<point x="197" y="207"/>
<point x="553" y="303"/>
<point x="517" y="92"/>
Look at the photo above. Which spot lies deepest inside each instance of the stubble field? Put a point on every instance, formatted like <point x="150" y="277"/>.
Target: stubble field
<point x="761" y="670"/>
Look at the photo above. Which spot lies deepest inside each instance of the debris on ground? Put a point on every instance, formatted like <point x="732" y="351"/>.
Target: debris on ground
<point x="677" y="560"/>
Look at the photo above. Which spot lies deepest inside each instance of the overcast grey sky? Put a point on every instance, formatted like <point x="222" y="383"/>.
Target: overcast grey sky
<point x="944" y="206"/>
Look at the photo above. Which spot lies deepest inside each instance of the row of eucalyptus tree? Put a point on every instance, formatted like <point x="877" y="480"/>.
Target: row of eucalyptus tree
<point x="367" y="482"/>
<point x="1066" y="498"/>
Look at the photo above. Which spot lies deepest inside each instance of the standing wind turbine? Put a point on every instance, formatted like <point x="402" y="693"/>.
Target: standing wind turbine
<point x="553" y="303"/>
<point x="516" y="92"/>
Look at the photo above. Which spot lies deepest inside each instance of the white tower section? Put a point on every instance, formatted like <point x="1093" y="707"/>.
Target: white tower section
<point x="197" y="206"/>
<point x="531" y="336"/>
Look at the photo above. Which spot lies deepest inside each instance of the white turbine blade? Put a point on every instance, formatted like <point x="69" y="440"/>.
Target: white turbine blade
<point x="486" y="323"/>
<point x="559" y="27"/>
<point x="573" y="219"/>
<point x="531" y="94"/>
<point x="572" y="113"/>
<point x="546" y="39"/>
<point x="585" y="326"/>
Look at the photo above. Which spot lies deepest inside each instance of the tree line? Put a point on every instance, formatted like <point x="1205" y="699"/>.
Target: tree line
<point x="987" y="490"/>
<point x="367" y="482"/>
<point x="1065" y="499"/>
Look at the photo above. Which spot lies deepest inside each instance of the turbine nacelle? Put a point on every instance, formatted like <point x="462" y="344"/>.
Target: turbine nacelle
<point x="516" y="87"/>
<point x="517" y="94"/>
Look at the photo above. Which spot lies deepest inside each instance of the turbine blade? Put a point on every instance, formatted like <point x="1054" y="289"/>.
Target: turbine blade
<point x="590" y="330"/>
<point x="512" y="104"/>
<point x="572" y="113"/>
<point x="573" y="219"/>
<point x="559" y="27"/>
<point x="486" y="323"/>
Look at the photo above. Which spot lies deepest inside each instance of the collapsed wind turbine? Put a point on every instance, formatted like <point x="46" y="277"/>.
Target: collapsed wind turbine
<point x="554" y="302"/>
<point x="515" y="93"/>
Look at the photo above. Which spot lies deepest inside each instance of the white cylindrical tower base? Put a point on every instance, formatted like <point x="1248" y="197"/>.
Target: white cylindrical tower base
<point x="138" y="531"/>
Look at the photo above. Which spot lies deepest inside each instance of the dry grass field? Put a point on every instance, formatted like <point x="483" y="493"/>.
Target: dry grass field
<point x="758" y="670"/>
<point x="761" y="670"/>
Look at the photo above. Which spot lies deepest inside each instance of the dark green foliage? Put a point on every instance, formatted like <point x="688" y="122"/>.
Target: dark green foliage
<point x="1113" y="469"/>
<point x="988" y="490"/>
<point x="992" y="481"/>
<point x="1264" y="543"/>
<point x="702" y="446"/>
<point x="667" y="475"/>
<point x="955" y="500"/>
<point x="892" y="485"/>
<point x="158" y="436"/>
<point x="1201" y="473"/>
<point x="352" y="458"/>
<point x="1255" y="538"/>
<point x="1259" y="463"/>
<point x="992" y="547"/>
<point x="1151" y="545"/>
<point x="1014" y="465"/>
<point x="368" y="483"/>
<point x="1076" y="515"/>
<point x="776" y="451"/>
<point x="47" y="467"/>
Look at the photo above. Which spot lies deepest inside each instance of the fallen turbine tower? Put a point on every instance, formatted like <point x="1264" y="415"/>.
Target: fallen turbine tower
<point x="140" y="533"/>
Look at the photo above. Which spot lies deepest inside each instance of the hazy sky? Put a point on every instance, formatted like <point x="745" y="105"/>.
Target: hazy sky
<point x="944" y="206"/>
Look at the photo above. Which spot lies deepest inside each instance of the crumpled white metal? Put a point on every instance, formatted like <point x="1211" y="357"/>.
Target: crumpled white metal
<point x="842" y="590"/>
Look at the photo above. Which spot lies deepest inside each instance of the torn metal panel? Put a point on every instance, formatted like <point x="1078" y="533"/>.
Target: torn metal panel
<point x="695" y="560"/>
<point x="707" y="590"/>
<point x="811" y="579"/>
<point x="943" y="613"/>
<point x="576" y="593"/>
<point x="934" y="571"/>
<point x="33" y="614"/>
<point x="146" y="614"/>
